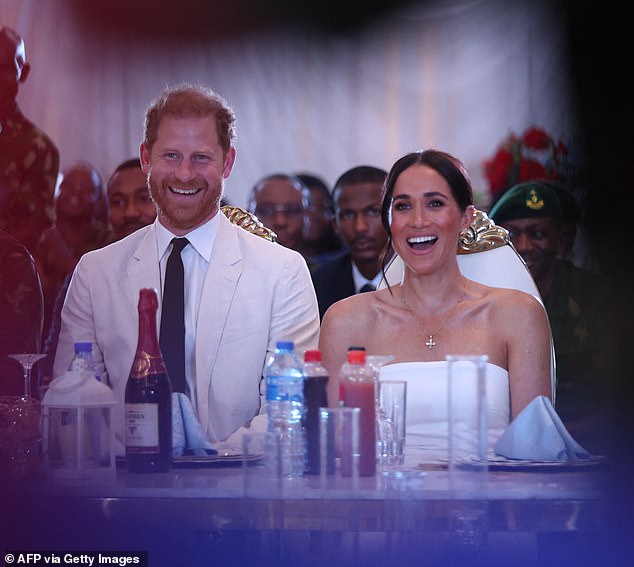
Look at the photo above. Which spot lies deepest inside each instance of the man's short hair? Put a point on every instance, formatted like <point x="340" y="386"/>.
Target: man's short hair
<point x="356" y="175"/>
<point x="132" y="163"/>
<point x="191" y="101"/>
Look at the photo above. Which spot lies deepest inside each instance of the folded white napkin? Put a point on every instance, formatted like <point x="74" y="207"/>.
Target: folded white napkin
<point x="188" y="436"/>
<point x="538" y="434"/>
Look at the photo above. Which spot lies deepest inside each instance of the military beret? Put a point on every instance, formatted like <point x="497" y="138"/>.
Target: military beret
<point x="570" y="210"/>
<point x="527" y="200"/>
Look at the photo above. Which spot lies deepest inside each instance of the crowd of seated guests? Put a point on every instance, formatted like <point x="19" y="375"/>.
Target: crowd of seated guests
<point x="349" y="214"/>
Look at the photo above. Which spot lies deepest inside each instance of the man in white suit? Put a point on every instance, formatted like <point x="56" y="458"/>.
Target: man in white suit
<point x="242" y="292"/>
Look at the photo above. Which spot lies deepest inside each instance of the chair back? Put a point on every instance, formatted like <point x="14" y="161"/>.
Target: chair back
<point x="486" y="255"/>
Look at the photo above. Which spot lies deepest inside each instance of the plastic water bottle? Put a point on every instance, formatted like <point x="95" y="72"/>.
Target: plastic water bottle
<point x="83" y="360"/>
<point x="285" y="451"/>
<point x="83" y="364"/>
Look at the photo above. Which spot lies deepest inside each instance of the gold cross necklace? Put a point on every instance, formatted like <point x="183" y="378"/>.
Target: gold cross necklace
<point x="430" y="343"/>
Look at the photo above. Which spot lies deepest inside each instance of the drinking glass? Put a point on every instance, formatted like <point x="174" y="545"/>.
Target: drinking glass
<point x="27" y="360"/>
<point x="468" y="466"/>
<point x="390" y="421"/>
<point x="467" y="413"/>
<point x="339" y="446"/>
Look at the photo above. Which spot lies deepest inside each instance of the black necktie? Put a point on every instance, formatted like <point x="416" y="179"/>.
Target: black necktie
<point x="172" y="335"/>
<point x="367" y="287"/>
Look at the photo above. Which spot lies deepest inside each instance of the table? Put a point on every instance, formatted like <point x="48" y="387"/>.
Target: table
<point x="238" y="515"/>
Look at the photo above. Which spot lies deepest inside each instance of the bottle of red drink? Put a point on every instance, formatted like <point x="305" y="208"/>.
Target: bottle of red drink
<point x="357" y="383"/>
<point x="315" y="397"/>
<point x="148" y="397"/>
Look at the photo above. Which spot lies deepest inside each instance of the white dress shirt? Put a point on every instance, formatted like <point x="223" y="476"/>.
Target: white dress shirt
<point x="360" y="280"/>
<point x="195" y="258"/>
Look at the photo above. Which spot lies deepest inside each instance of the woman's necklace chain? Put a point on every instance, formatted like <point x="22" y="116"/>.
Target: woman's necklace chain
<point x="430" y="343"/>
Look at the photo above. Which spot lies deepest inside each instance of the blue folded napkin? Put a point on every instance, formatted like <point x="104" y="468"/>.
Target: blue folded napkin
<point x="188" y="436"/>
<point x="538" y="434"/>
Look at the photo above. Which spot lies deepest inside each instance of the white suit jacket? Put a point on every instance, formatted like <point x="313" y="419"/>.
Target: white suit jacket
<point x="255" y="293"/>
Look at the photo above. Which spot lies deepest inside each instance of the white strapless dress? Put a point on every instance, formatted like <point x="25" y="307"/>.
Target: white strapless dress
<point x="427" y="420"/>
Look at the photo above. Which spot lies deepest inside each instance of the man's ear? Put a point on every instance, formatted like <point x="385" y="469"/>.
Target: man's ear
<point x="144" y="155"/>
<point x="229" y="160"/>
<point x="26" y="69"/>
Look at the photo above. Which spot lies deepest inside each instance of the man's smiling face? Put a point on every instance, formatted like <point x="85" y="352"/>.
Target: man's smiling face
<point x="186" y="168"/>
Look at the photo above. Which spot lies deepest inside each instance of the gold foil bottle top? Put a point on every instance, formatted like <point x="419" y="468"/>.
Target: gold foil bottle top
<point x="145" y="364"/>
<point x="148" y="299"/>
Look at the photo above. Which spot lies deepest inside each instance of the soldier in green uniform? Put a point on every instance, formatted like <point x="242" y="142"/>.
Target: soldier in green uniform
<point x="533" y="214"/>
<point x="29" y="161"/>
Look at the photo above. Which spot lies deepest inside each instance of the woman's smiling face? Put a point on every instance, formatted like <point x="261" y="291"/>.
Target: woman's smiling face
<point x="425" y="219"/>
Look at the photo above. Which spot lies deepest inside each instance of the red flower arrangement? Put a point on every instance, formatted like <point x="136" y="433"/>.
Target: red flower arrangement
<point x="533" y="155"/>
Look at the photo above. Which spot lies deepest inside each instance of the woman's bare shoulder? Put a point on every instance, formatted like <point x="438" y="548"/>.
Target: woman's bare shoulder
<point x="507" y="298"/>
<point x="355" y="310"/>
<point x="359" y="313"/>
<point x="514" y="306"/>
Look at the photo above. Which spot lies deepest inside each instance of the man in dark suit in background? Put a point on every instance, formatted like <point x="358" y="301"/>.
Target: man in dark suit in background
<point x="357" y="199"/>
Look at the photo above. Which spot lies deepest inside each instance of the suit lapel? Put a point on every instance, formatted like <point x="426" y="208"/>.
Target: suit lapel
<point x="218" y="292"/>
<point x="143" y="270"/>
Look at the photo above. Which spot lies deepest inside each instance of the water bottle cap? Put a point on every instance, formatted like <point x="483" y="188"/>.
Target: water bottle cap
<point x="83" y="346"/>
<point x="312" y="356"/>
<point x="284" y="345"/>
<point x="356" y="356"/>
<point x="356" y="348"/>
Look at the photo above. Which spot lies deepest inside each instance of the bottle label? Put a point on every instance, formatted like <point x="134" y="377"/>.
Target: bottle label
<point x="142" y="428"/>
<point x="272" y="388"/>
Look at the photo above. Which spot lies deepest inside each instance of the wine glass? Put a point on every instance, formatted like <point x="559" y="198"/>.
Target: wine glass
<point x="20" y="450"/>
<point x="27" y="360"/>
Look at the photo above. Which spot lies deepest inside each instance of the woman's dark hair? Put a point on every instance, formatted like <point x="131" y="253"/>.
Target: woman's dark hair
<point x="446" y="165"/>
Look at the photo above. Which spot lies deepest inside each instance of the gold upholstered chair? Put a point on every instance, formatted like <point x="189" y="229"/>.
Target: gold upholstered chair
<point x="486" y="255"/>
<point x="248" y="221"/>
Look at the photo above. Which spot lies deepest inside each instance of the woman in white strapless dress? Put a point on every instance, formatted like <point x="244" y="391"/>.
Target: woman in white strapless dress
<point x="436" y="311"/>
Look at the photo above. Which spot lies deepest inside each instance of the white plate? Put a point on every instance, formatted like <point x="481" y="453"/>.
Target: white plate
<point x="221" y="459"/>
<point x="497" y="463"/>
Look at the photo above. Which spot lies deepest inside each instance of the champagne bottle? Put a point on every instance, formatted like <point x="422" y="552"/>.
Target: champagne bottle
<point x="148" y="398"/>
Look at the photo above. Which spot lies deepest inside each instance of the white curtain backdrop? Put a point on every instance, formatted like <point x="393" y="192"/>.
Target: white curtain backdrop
<point x="456" y="75"/>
